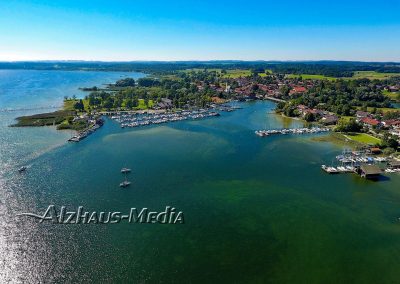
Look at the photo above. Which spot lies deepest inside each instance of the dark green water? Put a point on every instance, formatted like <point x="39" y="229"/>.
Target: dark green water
<point x="256" y="210"/>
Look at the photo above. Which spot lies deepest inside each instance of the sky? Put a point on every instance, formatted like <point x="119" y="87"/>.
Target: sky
<point x="116" y="30"/>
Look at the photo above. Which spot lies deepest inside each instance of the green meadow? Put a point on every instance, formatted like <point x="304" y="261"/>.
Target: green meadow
<point x="142" y="104"/>
<point x="357" y="75"/>
<point x="392" y="96"/>
<point x="231" y="73"/>
<point x="311" y="77"/>
<point x="363" y="138"/>
<point x="373" y="75"/>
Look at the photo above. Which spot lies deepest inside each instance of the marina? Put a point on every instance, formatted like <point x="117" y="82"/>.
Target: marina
<point x="361" y="162"/>
<point x="285" y="131"/>
<point x="129" y="120"/>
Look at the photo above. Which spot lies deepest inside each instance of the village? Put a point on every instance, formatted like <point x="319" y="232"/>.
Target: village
<point x="345" y="105"/>
<point x="290" y="92"/>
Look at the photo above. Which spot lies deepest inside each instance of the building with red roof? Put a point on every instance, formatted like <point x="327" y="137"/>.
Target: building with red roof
<point x="370" y="121"/>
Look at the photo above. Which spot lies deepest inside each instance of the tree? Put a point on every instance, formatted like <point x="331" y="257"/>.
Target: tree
<point x="284" y="90"/>
<point x="348" y="126"/>
<point x="79" y="105"/>
<point x="309" y="117"/>
<point x="126" y="82"/>
<point x="389" y="141"/>
<point x="280" y="105"/>
<point x="148" y="82"/>
<point x="129" y="104"/>
<point x="391" y="115"/>
<point x="289" y="110"/>
<point x="108" y="103"/>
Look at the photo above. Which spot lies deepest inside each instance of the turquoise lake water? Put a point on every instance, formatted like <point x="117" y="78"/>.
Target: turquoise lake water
<point x="257" y="210"/>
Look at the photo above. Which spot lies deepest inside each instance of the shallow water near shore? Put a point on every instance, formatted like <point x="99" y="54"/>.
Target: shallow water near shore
<point x="255" y="209"/>
<point x="26" y="92"/>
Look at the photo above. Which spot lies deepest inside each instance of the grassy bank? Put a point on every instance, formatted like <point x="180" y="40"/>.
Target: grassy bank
<point x="363" y="138"/>
<point x="43" y="119"/>
<point x="354" y="141"/>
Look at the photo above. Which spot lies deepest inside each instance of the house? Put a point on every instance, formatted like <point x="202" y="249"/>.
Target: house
<point x="262" y="87"/>
<point x="362" y="114"/>
<point x="329" y="119"/>
<point x="369" y="171"/>
<point x="394" y="164"/>
<point x="393" y="123"/>
<point x="302" y="107"/>
<point x="165" y="103"/>
<point x="395" y="132"/>
<point x="375" y="150"/>
<point x="370" y="122"/>
<point x="297" y="90"/>
<point x="217" y="100"/>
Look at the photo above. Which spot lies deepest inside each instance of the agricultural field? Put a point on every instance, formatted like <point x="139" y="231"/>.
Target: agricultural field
<point x="312" y="77"/>
<point x="392" y="96"/>
<point x="357" y="75"/>
<point x="382" y="109"/>
<point x="373" y="75"/>
<point x="232" y="73"/>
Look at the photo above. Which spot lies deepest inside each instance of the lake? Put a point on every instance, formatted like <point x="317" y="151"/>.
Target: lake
<point x="255" y="209"/>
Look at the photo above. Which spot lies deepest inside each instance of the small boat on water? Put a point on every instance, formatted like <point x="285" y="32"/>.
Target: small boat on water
<point x="22" y="169"/>
<point x="125" y="170"/>
<point x="125" y="183"/>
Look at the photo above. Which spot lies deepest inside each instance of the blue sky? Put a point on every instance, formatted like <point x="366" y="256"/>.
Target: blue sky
<point x="200" y="30"/>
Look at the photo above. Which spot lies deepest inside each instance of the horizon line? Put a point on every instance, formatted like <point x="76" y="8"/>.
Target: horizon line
<point x="194" y="60"/>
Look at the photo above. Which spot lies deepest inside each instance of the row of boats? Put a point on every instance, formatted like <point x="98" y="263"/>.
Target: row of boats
<point x="351" y="160"/>
<point x="339" y="169"/>
<point x="392" y="170"/>
<point x="136" y="120"/>
<point x="362" y="159"/>
<point x="350" y="169"/>
<point x="304" y="130"/>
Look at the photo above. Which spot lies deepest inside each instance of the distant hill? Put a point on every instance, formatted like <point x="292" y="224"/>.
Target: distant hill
<point x="326" y="67"/>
